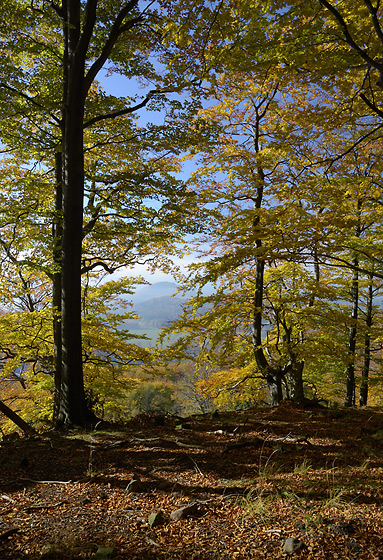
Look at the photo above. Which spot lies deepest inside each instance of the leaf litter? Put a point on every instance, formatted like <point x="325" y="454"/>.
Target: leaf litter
<point x="250" y="480"/>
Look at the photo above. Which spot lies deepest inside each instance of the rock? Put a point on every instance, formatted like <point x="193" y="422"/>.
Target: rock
<point x="134" y="485"/>
<point x="156" y="518"/>
<point x="292" y="546"/>
<point x="184" y="511"/>
<point x="106" y="552"/>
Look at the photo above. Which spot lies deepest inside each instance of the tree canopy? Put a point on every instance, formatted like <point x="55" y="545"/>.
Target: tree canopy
<point x="278" y="108"/>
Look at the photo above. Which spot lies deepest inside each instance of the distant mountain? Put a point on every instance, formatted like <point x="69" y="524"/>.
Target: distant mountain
<point x="156" y="312"/>
<point x="157" y="290"/>
<point x="156" y="306"/>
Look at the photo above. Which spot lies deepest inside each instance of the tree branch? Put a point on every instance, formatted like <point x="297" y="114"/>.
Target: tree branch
<point x="122" y="112"/>
<point x="350" y="40"/>
<point x="27" y="98"/>
<point x="88" y="27"/>
<point x="373" y="12"/>
<point x="343" y="263"/>
<point x="59" y="11"/>
<point x="103" y="265"/>
<point x="371" y="105"/>
<point x="116" y="30"/>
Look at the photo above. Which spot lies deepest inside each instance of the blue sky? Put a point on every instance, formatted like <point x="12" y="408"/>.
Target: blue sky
<point x="118" y="85"/>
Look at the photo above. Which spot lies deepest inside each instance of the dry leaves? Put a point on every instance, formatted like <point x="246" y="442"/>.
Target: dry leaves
<point x="313" y="475"/>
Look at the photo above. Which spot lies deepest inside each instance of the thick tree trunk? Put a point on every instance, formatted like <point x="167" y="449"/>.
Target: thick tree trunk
<point x="80" y="68"/>
<point x="73" y="409"/>
<point x="367" y="349"/>
<point x="274" y="384"/>
<point x="295" y="378"/>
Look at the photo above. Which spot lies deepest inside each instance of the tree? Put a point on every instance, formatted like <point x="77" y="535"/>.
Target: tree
<point x="78" y="30"/>
<point x="278" y="208"/>
<point x="255" y="214"/>
<point x="81" y="38"/>
<point x="110" y="353"/>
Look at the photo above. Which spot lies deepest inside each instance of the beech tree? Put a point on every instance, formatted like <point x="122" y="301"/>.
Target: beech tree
<point x="247" y="226"/>
<point x="299" y="93"/>
<point x="282" y="219"/>
<point x="50" y="92"/>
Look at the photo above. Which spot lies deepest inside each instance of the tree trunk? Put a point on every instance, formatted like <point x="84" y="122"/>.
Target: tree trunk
<point x="274" y="384"/>
<point x="273" y="376"/>
<point x="295" y="378"/>
<point x="363" y="396"/>
<point x="350" y="372"/>
<point x="80" y="68"/>
<point x="73" y="409"/>
<point x="57" y="238"/>
<point x="20" y="423"/>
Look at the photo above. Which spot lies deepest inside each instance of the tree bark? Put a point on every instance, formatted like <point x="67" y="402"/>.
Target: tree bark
<point x="274" y="384"/>
<point x="73" y="409"/>
<point x="56" y="297"/>
<point x="273" y="376"/>
<point x="350" y="371"/>
<point x="363" y="396"/>
<point x="20" y="423"/>
<point x="79" y="21"/>
<point x="295" y="378"/>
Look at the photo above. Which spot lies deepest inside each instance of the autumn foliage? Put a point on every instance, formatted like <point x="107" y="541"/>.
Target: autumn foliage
<point x="250" y="138"/>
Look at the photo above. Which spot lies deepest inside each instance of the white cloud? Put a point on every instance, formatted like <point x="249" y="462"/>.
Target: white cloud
<point x="157" y="275"/>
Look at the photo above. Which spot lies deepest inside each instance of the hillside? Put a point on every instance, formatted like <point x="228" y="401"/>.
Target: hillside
<point x="156" y="312"/>
<point x="155" y="291"/>
<point x="249" y="481"/>
<point x="156" y="306"/>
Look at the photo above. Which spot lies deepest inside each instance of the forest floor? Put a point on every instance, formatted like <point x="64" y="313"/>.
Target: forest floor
<point x="253" y="479"/>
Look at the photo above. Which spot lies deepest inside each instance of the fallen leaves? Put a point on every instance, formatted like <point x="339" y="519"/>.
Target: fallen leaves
<point x="245" y="503"/>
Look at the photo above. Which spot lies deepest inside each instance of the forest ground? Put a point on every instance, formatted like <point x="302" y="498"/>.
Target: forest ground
<point x="255" y="478"/>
